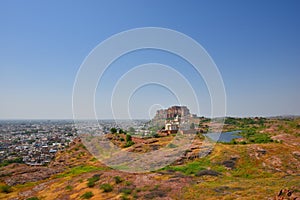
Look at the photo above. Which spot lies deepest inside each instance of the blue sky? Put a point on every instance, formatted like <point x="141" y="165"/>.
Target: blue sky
<point x="255" y="44"/>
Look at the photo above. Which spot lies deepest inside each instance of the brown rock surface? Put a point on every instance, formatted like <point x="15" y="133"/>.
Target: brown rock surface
<point x="20" y="173"/>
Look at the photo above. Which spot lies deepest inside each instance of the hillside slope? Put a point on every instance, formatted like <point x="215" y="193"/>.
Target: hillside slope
<point x="230" y="171"/>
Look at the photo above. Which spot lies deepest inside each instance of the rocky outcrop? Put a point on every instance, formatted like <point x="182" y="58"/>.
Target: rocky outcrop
<point x="20" y="173"/>
<point x="257" y="151"/>
<point x="208" y="173"/>
<point x="287" y="194"/>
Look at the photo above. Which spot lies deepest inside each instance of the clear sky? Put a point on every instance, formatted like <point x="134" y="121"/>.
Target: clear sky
<point x="255" y="44"/>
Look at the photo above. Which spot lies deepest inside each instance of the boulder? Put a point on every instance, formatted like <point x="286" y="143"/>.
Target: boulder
<point x="208" y="173"/>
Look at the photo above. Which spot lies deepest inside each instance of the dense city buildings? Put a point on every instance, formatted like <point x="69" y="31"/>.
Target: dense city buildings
<point x="36" y="142"/>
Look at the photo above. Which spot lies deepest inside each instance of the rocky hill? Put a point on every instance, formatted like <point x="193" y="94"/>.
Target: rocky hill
<point x="242" y="170"/>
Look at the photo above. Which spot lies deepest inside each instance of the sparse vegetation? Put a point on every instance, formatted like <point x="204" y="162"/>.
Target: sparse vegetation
<point x="7" y="162"/>
<point x="121" y="131"/>
<point x="126" y="190"/>
<point x="128" y="144"/>
<point x="5" y="189"/>
<point x="90" y="184"/>
<point x="252" y="136"/>
<point x="171" y="145"/>
<point x="118" y="179"/>
<point x="192" y="126"/>
<point x="200" y="136"/>
<point x="87" y="195"/>
<point x="155" y="194"/>
<point x="129" y="141"/>
<point x="253" y="170"/>
<point x="131" y="130"/>
<point x="128" y="183"/>
<point x="79" y="170"/>
<point x="191" y="167"/>
<point x="128" y="138"/>
<point x="32" y="198"/>
<point x="106" y="187"/>
<point x="93" y="180"/>
<point x="93" y="159"/>
<point x="69" y="187"/>
<point x="113" y="130"/>
<point x="155" y="135"/>
<point x="125" y="197"/>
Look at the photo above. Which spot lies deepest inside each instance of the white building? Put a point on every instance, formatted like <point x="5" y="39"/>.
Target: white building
<point x="172" y="125"/>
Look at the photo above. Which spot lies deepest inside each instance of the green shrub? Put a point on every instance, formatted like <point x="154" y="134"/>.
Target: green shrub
<point x="131" y="130"/>
<point x="32" y="198"/>
<point x="243" y="142"/>
<point x="128" y="138"/>
<point x="95" y="178"/>
<point x="171" y="145"/>
<point x="190" y="168"/>
<point x="129" y="143"/>
<point x="91" y="184"/>
<point x="124" y="197"/>
<point x="138" y="190"/>
<point x="87" y="195"/>
<point x="106" y="187"/>
<point x="126" y="190"/>
<point x="128" y="183"/>
<point x="69" y="187"/>
<point x="7" y="162"/>
<point x="253" y="137"/>
<point x="91" y="181"/>
<point x="118" y="179"/>
<point x="5" y="189"/>
<point x="93" y="159"/>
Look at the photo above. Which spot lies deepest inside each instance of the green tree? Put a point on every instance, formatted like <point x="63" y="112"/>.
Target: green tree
<point x="128" y="144"/>
<point x="131" y="130"/>
<point x="113" y="130"/>
<point x="128" y="138"/>
<point x="192" y="126"/>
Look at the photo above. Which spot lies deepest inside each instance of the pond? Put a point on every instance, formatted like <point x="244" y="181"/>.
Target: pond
<point x="223" y="137"/>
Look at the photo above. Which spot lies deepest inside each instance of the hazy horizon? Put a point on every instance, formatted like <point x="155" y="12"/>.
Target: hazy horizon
<point x="111" y="119"/>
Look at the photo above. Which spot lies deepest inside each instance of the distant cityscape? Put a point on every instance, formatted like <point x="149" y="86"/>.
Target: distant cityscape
<point x="35" y="142"/>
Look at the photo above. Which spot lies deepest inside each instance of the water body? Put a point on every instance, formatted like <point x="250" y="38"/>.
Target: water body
<point x="223" y="137"/>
